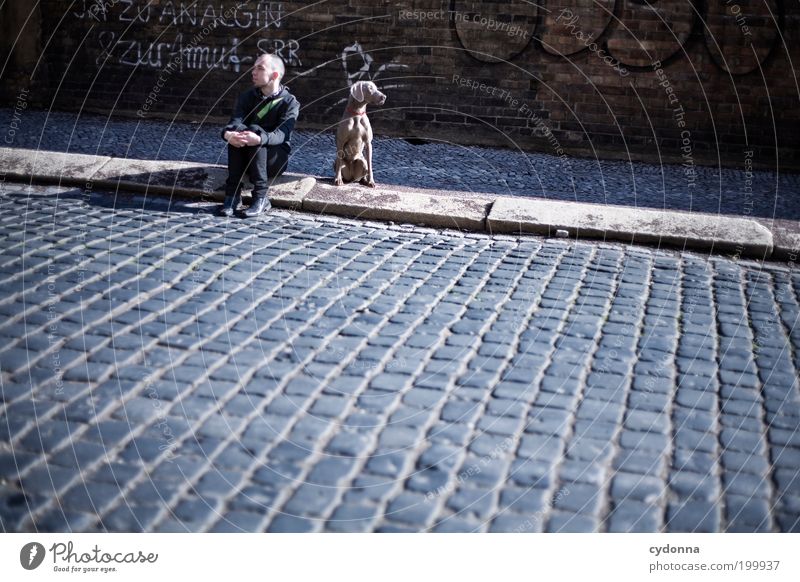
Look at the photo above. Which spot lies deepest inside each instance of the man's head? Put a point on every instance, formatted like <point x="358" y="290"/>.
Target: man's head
<point x="268" y="70"/>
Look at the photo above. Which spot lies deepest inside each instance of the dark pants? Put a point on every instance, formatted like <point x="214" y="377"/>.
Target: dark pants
<point x="261" y="164"/>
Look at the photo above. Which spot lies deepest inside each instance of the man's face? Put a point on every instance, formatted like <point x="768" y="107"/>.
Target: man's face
<point x="262" y="73"/>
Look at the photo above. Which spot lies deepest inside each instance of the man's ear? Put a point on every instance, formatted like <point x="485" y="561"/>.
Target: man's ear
<point x="274" y="75"/>
<point x="357" y="91"/>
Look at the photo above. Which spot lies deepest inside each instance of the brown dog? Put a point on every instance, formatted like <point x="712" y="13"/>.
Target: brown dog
<point x="354" y="136"/>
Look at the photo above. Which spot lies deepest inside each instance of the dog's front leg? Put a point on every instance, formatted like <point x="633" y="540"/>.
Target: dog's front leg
<point x="368" y="180"/>
<point x="338" y="164"/>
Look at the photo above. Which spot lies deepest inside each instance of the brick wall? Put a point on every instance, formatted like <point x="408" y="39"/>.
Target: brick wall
<point x="679" y="81"/>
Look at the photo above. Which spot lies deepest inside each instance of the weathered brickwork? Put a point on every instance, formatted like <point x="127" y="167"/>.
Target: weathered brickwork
<point x="679" y="81"/>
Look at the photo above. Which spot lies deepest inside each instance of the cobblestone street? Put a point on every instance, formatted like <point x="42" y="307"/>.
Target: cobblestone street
<point x="165" y="370"/>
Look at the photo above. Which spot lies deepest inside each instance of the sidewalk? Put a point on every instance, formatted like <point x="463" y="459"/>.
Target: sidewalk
<point x="163" y="369"/>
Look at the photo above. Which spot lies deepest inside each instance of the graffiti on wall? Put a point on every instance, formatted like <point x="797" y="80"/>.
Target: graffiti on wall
<point x="359" y="65"/>
<point x="186" y="42"/>
<point x="739" y="34"/>
<point x="263" y="15"/>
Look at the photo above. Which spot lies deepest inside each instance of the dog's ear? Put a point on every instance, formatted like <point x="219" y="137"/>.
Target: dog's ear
<point x="357" y="90"/>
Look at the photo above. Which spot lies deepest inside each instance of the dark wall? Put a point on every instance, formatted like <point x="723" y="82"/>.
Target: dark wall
<point x="675" y="80"/>
<point x="20" y="47"/>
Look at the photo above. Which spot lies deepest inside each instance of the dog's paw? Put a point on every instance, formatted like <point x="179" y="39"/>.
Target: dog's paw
<point x="337" y="181"/>
<point x="366" y="182"/>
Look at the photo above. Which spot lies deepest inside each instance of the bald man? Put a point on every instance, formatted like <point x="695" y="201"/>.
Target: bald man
<point x="258" y="135"/>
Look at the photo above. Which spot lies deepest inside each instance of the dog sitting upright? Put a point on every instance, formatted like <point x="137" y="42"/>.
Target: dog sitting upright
<point x="354" y="136"/>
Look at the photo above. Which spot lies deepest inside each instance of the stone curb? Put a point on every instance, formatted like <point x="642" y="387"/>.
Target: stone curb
<point x="422" y="208"/>
<point x="638" y="225"/>
<point x="485" y="213"/>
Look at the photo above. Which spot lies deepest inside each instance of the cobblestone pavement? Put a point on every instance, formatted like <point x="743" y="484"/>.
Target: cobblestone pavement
<point x="166" y="370"/>
<point x="436" y="165"/>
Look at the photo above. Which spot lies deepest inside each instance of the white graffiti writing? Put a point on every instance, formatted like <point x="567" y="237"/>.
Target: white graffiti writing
<point x="357" y="64"/>
<point x="97" y="10"/>
<point x="191" y="56"/>
<point x="285" y="49"/>
<point x="195" y="53"/>
<point x="135" y="53"/>
<point x="263" y="15"/>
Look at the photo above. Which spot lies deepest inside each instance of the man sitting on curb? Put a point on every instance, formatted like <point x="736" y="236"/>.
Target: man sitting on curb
<point x="258" y="135"/>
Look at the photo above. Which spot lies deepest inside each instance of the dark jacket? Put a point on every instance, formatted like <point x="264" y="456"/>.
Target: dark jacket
<point x="272" y="119"/>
